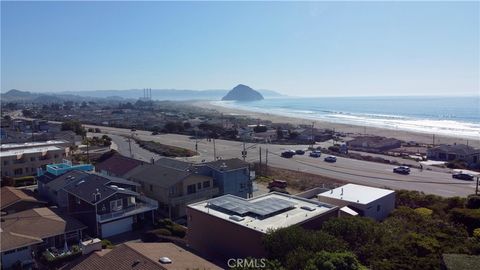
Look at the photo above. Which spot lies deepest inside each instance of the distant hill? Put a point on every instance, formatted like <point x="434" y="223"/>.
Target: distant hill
<point x="15" y="95"/>
<point x="242" y="93"/>
<point x="167" y="94"/>
<point x="157" y="94"/>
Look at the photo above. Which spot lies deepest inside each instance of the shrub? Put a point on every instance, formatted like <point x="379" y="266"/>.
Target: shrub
<point x="335" y="149"/>
<point x="476" y="233"/>
<point x="473" y="201"/>
<point x="178" y="230"/>
<point x="162" y="232"/>
<point x="468" y="217"/>
<point x="424" y="212"/>
<point x="106" y="243"/>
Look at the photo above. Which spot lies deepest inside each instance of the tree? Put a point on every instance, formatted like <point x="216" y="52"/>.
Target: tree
<point x="333" y="261"/>
<point x="74" y="126"/>
<point x="27" y="113"/>
<point x="473" y="201"/>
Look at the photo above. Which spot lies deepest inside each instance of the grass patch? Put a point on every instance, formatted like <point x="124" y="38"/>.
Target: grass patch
<point x="165" y="150"/>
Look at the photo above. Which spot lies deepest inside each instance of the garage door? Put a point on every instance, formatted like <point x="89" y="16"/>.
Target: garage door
<point x="116" y="227"/>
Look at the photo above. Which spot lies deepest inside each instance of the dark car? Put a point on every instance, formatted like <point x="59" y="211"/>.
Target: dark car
<point x="330" y="159"/>
<point x="299" y="152"/>
<point x="401" y="170"/>
<point x="277" y="184"/>
<point x="462" y="176"/>
<point x="288" y="154"/>
<point x="315" y="153"/>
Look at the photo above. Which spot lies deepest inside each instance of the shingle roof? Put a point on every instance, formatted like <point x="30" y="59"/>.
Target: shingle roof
<point x="69" y="177"/>
<point x="460" y="149"/>
<point x="146" y="256"/>
<point x="30" y="226"/>
<point x="118" y="165"/>
<point x="11" y="195"/>
<point x="158" y="175"/>
<point x="174" y="163"/>
<point x="227" y="164"/>
<point x="85" y="188"/>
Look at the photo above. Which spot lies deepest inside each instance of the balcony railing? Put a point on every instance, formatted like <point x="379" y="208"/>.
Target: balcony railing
<point x="128" y="211"/>
<point x="194" y="197"/>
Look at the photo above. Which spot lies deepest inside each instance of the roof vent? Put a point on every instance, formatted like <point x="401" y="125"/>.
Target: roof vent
<point x="165" y="260"/>
<point x="79" y="183"/>
<point x="308" y="208"/>
<point x="237" y="218"/>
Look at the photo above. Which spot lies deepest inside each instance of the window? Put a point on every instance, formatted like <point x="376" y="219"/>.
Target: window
<point x="199" y="186"/>
<point x="131" y="201"/>
<point x="26" y="170"/>
<point x="18" y="171"/>
<point x="56" y="155"/>
<point x="116" y="205"/>
<point x="242" y="185"/>
<point x="151" y="187"/>
<point x="206" y="184"/>
<point x="78" y="200"/>
<point x="378" y="208"/>
<point x="191" y="189"/>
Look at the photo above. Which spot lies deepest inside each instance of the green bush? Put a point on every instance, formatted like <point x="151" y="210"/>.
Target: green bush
<point x="162" y="232"/>
<point x="473" y="201"/>
<point x="106" y="243"/>
<point x="424" y="212"/>
<point x="476" y="233"/>
<point x="178" y="230"/>
<point x="468" y="217"/>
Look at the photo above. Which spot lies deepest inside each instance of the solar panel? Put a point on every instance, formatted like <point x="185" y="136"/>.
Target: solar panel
<point x="241" y="207"/>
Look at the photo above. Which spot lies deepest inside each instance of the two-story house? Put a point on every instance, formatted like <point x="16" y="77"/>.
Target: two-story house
<point x="173" y="188"/>
<point x="232" y="176"/>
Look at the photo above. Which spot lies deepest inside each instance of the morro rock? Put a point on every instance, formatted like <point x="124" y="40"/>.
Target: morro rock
<point x="242" y="93"/>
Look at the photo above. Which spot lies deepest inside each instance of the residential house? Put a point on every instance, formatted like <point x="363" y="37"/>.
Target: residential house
<point x="232" y="176"/>
<point x="19" y="160"/>
<point x="233" y="227"/>
<point x="117" y="165"/>
<point x="34" y="230"/>
<point x="173" y="188"/>
<point x="107" y="205"/>
<point x="373" y="143"/>
<point x="376" y="203"/>
<point x="151" y="256"/>
<point x="461" y="152"/>
<point x="16" y="200"/>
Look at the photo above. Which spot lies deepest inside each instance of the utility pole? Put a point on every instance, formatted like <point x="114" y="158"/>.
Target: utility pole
<point x="214" y="150"/>
<point x="433" y="140"/>
<point x="244" y="152"/>
<point x="88" y="153"/>
<point x="266" y="161"/>
<point x="260" y="163"/>
<point x="313" y="137"/>
<point x="476" y="188"/>
<point x="196" y="141"/>
<point x="130" y="147"/>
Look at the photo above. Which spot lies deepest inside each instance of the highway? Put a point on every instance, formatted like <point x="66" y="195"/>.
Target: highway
<point x="435" y="181"/>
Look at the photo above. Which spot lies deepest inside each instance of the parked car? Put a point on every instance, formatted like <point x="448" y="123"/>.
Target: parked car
<point x="401" y="170"/>
<point x="277" y="184"/>
<point x="299" y="152"/>
<point x="288" y="154"/>
<point x="315" y="153"/>
<point x="330" y="159"/>
<point x="462" y="176"/>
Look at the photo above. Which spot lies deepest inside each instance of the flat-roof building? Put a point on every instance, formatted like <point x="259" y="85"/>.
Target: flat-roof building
<point x="233" y="227"/>
<point x="376" y="203"/>
<point x="17" y="162"/>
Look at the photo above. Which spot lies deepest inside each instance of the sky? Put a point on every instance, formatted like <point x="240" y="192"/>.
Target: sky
<point x="295" y="48"/>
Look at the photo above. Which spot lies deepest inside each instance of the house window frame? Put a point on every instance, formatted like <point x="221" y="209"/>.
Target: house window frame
<point x="206" y="184"/>
<point x="116" y="204"/>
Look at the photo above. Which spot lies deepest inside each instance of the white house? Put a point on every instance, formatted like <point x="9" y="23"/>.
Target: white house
<point x="376" y="203"/>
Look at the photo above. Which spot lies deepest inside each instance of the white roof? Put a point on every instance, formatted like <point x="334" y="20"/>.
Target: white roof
<point x="349" y="211"/>
<point x="286" y="218"/>
<point x="356" y="193"/>
<point x="31" y="144"/>
<point x="19" y="152"/>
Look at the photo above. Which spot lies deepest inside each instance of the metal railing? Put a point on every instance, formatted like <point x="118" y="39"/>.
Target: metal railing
<point x="199" y="195"/>
<point x="130" y="210"/>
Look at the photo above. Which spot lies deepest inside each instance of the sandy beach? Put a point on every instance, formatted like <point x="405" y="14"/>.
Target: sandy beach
<point x="351" y="129"/>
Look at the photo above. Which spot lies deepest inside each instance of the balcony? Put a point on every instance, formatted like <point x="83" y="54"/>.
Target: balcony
<point x="194" y="197"/>
<point x="141" y="207"/>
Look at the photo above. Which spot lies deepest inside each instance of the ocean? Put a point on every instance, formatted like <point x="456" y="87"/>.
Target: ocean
<point x="452" y="116"/>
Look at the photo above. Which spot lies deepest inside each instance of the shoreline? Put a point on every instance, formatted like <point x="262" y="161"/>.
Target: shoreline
<point x="345" y="128"/>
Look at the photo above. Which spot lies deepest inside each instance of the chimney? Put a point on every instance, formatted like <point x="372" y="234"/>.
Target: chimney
<point x="342" y="191"/>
